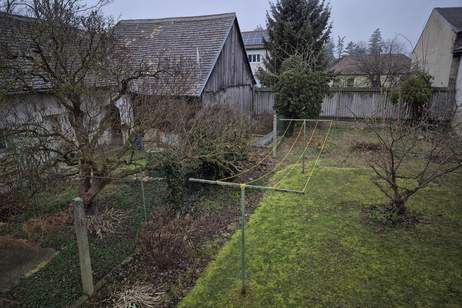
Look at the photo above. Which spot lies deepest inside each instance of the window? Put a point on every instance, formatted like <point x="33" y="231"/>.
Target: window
<point x="254" y="58"/>
<point x="350" y="82"/>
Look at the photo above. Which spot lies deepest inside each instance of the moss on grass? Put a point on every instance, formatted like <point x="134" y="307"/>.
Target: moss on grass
<point x="314" y="250"/>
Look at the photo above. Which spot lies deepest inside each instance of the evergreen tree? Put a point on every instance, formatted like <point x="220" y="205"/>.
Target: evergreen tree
<point x="350" y="48"/>
<point x="296" y="27"/>
<point x="329" y="52"/>
<point x="340" y="48"/>
<point x="376" y="42"/>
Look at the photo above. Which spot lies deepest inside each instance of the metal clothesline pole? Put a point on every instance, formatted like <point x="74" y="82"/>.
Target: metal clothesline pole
<point x="243" y="188"/>
<point x="248" y="186"/>
<point x="307" y="120"/>
<point x="275" y="135"/>
<point x="243" y="272"/>
<point x="304" y="142"/>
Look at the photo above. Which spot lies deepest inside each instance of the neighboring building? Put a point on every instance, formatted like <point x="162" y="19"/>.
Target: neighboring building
<point x="439" y="49"/>
<point x="350" y="72"/>
<point x="219" y="71"/>
<point x="256" y="52"/>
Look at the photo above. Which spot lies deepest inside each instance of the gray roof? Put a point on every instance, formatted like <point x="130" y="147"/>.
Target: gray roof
<point x="254" y="38"/>
<point x="15" y="41"/>
<point x="453" y="16"/>
<point x="351" y="65"/>
<point x="198" y="39"/>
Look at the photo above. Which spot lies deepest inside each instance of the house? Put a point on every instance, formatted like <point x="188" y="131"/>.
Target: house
<point x="211" y="46"/>
<point x="438" y="52"/>
<point x="357" y="71"/>
<point x="255" y="48"/>
<point x="219" y="72"/>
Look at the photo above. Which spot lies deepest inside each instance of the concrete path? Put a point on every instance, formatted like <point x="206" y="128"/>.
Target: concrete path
<point x="18" y="258"/>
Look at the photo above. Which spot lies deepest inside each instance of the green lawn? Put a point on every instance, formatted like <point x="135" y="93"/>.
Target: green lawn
<point x="317" y="250"/>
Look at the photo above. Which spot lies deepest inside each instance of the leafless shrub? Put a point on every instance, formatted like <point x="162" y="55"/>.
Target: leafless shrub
<point x="413" y="155"/>
<point x="360" y="146"/>
<point x="107" y="222"/>
<point x="136" y="295"/>
<point x="39" y="228"/>
<point x="168" y="242"/>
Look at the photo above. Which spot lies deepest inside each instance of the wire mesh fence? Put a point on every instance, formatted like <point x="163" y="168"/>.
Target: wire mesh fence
<point x="123" y="207"/>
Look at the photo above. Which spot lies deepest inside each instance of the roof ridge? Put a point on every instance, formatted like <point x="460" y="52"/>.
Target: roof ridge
<point x="180" y="18"/>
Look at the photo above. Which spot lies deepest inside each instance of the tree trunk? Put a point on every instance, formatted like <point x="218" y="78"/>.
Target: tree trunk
<point x="399" y="203"/>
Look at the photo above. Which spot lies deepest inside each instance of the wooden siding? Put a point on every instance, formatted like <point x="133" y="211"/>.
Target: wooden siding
<point x="231" y="80"/>
<point x="263" y="101"/>
<point x="364" y="103"/>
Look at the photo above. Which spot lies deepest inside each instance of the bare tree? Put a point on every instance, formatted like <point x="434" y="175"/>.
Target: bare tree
<point x="384" y="68"/>
<point x="9" y="6"/>
<point x="410" y="156"/>
<point x="69" y="53"/>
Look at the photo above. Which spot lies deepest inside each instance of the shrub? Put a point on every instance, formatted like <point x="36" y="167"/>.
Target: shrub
<point x="299" y="90"/>
<point x="168" y="241"/>
<point x="416" y="92"/>
<point x="209" y="144"/>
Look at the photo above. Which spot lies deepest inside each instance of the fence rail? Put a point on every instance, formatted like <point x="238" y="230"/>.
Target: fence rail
<point x="362" y="103"/>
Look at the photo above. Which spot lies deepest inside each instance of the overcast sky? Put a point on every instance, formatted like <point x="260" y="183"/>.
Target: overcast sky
<point x="355" y="19"/>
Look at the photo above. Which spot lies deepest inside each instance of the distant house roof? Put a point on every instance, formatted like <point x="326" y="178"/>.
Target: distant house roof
<point x="254" y="39"/>
<point x="350" y="65"/>
<point x="198" y="38"/>
<point x="453" y="16"/>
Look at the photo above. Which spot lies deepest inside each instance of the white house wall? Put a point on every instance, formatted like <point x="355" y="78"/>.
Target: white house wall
<point x="433" y="51"/>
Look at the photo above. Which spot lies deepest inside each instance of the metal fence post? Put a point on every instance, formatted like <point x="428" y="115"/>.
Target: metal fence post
<point x="80" y="225"/>
<point x="304" y="142"/>
<point x="275" y="134"/>
<point x="243" y="274"/>
<point x="143" y="198"/>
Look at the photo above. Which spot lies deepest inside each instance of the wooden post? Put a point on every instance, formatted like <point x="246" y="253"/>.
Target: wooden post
<point x="80" y="225"/>
<point x="275" y="134"/>
<point x="243" y="239"/>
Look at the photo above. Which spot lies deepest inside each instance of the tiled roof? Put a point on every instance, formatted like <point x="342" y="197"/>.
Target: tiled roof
<point x="349" y="65"/>
<point x="254" y="38"/>
<point x="199" y="39"/>
<point x="453" y="16"/>
<point x="15" y="42"/>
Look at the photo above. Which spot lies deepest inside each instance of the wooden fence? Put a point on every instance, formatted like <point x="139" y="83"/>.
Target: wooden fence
<point x="362" y="103"/>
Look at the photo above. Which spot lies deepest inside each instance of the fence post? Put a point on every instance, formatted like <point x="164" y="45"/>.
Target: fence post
<point x="143" y="197"/>
<point x="80" y="225"/>
<point x="275" y="134"/>
<point x="243" y="239"/>
<point x="304" y="142"/>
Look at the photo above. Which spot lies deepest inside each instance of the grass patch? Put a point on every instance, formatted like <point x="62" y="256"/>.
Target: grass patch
<point x="314" y="250"/>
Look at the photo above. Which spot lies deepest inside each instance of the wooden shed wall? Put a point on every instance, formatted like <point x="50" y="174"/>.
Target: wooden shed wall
<point x="231" y="80"/>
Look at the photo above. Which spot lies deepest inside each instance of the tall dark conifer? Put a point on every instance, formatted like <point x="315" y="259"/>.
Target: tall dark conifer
<point x="297" y="27"/>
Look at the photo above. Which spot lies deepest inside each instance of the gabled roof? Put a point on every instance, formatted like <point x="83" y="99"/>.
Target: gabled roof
<point x="254" y="38"/>
<point x="350" y="65"/>
<point x="199" y="39"/>
<point x="453" y="15"/>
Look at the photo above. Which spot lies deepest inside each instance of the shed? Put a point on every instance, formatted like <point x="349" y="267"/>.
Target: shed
<point x="220" y="71"/>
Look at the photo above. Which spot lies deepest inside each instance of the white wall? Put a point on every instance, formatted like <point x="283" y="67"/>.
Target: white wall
<point x="257" y="65"/>
<point x="433" y="51"/>
<point x="458" y="116"/>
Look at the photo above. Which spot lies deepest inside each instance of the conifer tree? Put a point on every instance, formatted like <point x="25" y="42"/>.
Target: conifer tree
<point x="296" y="27"/>
<point x="376" y="42"/>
